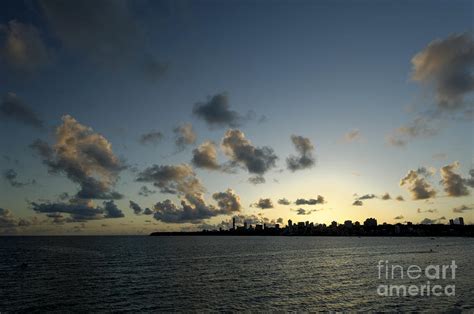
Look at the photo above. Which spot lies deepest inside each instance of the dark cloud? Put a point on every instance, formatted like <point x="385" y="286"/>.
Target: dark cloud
<point x="386" y="196"/>
<point x="428" y="221"/>
<point x="8" y="223"/>
<point x="283" y="201"/>
<point x="463" y="208"/>
<point x="10" y="176"/>
<point x="454" y="184"/>
<point x="85" y="157"/>
<point x="145" y="191"/>
<point x="152" y="137"/>
<point x="417" y="185"/>
<point x="357" y="203"/>
<point x="257" y="180"/>
<point x="138" y="210"/>
<point x="216" y="112"/>
<point x="399" y="217"/>
<point x="305" y="158"/>
<point x="205" y="156"/>
<point x="172" y="179"/>
<point x="446" y="66"/>
<point x="194" y="209"/>
<point x="264" y="203"/>
<point x="184" y="136"/>
<point x="22" y="47"/>
<point x="257" y="160"/>
<point x="79" y="210"/>
<point x="311" y="201"/>
<point x="13" y="108"/>
<point x="358" y="200"/>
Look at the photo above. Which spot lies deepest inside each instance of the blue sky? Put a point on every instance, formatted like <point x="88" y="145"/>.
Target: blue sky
<point x="316" y="69"/>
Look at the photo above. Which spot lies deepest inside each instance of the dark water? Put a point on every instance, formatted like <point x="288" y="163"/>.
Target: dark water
<point x="221" y="273"/>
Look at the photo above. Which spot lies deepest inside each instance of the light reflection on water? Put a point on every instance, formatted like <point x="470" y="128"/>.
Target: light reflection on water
<point x="221" y="273"/>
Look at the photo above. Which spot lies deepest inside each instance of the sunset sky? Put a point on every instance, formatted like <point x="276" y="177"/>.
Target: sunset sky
<point x="127" y="117"/>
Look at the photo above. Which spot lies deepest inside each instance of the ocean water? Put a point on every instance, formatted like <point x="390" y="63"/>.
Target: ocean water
<point x="224" y="273"/>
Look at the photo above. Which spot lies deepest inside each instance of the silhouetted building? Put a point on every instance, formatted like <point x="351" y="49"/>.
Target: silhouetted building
<point x="334" y="224"/>
<point x="451" y="222"/>
<point x="258" y="228"/>
<point x="461" y="221"/>
<point x="233" y="223"/>
<point x="348" y="224"/>
<point x="370" y="222"/>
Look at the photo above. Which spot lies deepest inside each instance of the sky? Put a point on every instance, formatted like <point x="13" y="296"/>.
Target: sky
<point x="127" y="117"/>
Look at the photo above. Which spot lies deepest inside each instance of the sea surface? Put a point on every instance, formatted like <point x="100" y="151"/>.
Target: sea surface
<point x="224" y="273"/>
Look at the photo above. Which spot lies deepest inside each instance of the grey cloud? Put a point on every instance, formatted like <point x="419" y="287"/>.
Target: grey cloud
<point x="399" y="217"/>
<point x="283" y="201"/>
<point x="352" y="136"/>
<point x="400" y="198"/>
<point x="85" y="157"/>
<point x="172" y="179"/>
<point x="463" y="208"/>
<point x="145" y="191"/>
<point x="257" y="160"/>
<point x="184" y="136"/>
<point x="13" y="108"/>
<point x="357" y="203"/>
<point x="417" y="185"/>
<point x="302" y="211"/>
<point x="138" y="210"/>
<point x="205" y="156"/>
<point x="428" y="221"/>
<point x="305" y="158"/>
<point x="79" y="210"/>
<point x="420" y="127"/>
<point x="216" y="112"/>
<point x="386" y="197"/>
<point x="454" y="184"/>
<point x="446" y="65"/>
<point x="228" y="201"/>
<point x="264" y="203"/>
<point x="152" y="137"/>
<point x="257" y="180"/>
<point x="431" y="211"/>
<point x="311" y="201"/>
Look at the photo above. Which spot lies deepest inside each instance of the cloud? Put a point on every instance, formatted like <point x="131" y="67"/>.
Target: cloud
<point x="227" y="201"/>
<point x="311" y="201"/>
<point x="194" y="209"/>
<point x="152" y="137"/>
<point x="257" y="160"/>
<point x="454" y="184"/>
<point x="283" y="201"/>
<point x="417" y="185"/>
<point x="8" y="223"/>
<point x="10" y="176"/>
<point x="85" y="157"/>
<point x="184" y="136"/>
<point x="463" y="208"/>
<point x="400" y="198"/>
<point x="386" y="197"/>
<point x="172" y="179"/>
<point x="13" y="108"/>
<point x="358" y="199"/>
<point x="399" y="217"/>
<point x="302" y="211"/>
<point x="137" y="210"/>
<point x="352" y="136"/>
<point x="428" y="221"/>
<point x="79" y="210"/>
<point x="145" y="191"/>
<point x="23" y="47"/>
<point x="446" y="66"/>
<point x="420" y="127"/>
<point x="264" y="203"/>
<point x="305" y="158"/>
<point x="216" y="112"/>
<point x="257" y="180"/>
<point x="205" y="156"/>
<point x="431" y="211"/>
